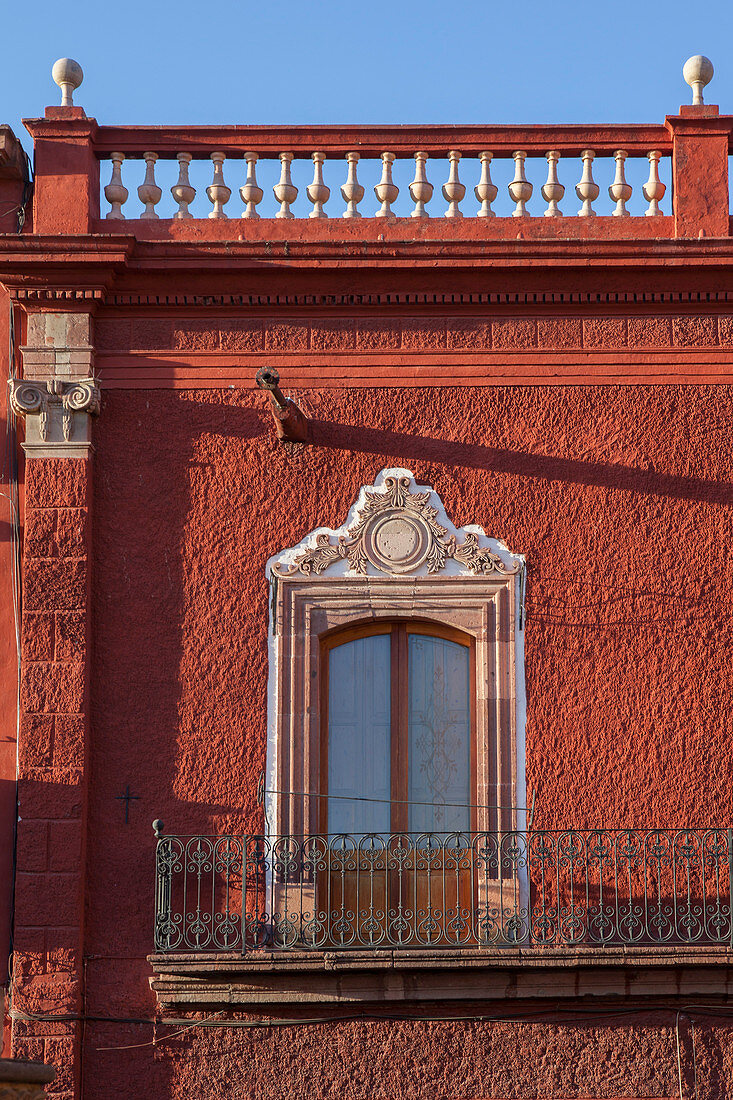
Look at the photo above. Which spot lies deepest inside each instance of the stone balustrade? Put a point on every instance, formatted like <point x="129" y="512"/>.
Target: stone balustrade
<point x="427" y="182"/>
<point x="664" y="180"/>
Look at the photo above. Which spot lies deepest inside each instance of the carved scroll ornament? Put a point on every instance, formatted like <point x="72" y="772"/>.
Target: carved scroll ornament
<point x="29" y="398"/>
<point x="397" y="532"/>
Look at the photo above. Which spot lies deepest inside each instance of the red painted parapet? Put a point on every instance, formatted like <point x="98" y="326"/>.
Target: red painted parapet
<point x="69" y="148"/>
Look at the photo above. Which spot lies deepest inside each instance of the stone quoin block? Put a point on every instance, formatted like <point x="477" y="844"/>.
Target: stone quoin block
<point x="68" y="741"/>
<point x="40" y="533"/>
<point x="57" y="483"/>
<point x="71" y="532"/>
<point x="37" y="636"/>
<point x="36" y="740"/>
<point x="64" y="846"/>
<point x="33" y="847"/>
<point x="50" y="687"/>
<point x="56" y="796"/>
<point x="55" y="585"/>
<point x="70" y="636"/>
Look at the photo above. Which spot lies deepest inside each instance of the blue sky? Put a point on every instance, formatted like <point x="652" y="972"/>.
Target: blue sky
<point x="315" y="61"/>
<point x="373" y="61"/>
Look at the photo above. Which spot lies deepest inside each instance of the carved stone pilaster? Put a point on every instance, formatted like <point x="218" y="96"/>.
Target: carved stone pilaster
<point x="57" y="414"/>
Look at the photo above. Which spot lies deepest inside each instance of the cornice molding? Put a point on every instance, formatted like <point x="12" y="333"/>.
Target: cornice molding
<point x="398" y="301"/>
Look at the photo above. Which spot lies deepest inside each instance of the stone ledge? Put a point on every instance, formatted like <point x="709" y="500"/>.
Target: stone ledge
<point x="510" y="973"/>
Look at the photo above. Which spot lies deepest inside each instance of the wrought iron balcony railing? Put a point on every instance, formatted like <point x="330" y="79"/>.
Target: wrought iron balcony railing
<point x="571" y="888"/>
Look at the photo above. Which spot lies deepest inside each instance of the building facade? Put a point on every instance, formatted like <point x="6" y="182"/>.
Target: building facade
<point x="383" y="562"/>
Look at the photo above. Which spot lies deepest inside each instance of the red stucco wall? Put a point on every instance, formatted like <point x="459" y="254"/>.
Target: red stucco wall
<point x="620" y="498"/>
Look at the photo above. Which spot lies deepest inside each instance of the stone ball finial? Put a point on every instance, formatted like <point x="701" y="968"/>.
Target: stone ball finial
<point x="698" y="71"/>
<point x="68" y="75"/>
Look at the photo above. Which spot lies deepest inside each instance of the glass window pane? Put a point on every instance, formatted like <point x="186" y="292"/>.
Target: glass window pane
<point x="359" y="735"/>
<point x="439" y="727"/>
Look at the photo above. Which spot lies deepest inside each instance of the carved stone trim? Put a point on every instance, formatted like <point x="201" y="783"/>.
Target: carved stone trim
<point x="397" y="301"/>
<point x="395" y="529"/>
<point x="57" y="414"/>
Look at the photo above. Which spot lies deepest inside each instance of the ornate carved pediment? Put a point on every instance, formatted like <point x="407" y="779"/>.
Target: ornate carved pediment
<point x="396" y="527"/>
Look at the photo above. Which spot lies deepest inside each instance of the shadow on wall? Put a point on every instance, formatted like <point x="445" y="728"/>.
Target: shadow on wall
<point x="520" y="464"/>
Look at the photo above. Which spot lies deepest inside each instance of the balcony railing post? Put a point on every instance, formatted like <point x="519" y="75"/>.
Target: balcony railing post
<point x="700" y="172"/>
<point x="730" y="885"/>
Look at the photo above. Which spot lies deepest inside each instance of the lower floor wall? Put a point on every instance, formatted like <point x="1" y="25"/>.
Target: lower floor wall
<point x="578" y="1053"/>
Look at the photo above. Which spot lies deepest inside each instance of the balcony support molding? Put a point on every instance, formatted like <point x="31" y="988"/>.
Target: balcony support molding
<point x="616" y="974"/>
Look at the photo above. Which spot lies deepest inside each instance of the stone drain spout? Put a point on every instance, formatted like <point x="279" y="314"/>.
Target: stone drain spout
<point x="290" y="423"/>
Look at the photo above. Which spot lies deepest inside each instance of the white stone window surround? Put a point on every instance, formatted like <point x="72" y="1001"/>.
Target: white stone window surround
<point x="397" y="555"/>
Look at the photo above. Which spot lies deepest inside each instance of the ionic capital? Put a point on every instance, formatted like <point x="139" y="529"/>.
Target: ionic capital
<point x="58" y="415"/>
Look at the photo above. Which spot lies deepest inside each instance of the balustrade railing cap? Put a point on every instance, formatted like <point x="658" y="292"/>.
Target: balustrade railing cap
<point x="68" y="74"/>
<point x="698" y="71"/>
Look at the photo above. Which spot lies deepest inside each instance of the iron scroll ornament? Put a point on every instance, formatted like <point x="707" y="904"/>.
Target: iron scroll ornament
<point x="396" y="531"/>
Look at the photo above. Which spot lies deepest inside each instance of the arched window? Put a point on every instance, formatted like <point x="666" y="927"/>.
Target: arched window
<point x="395" y="697"/>
<point x="398" y="750"/>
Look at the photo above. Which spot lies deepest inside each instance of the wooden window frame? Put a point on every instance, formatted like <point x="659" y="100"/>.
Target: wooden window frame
<point x="398" y="631"/>
<point x="308" y="609"/>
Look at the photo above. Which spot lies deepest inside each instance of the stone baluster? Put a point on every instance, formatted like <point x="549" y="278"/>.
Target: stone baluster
<point x="115" y="192"/>
<point x="421" y="191"/>
<point x="148" y="192"/>
<point x="520" y="188"/>
<point x="218" y="192"/>
<point x="317" y="191"/>
<point x="587" y="190"/>
<point x="653" y="190"/>
<point x="285" y="190"/>
<point x="387" y="190"/>
<point x="553" y="190"/>
<point x="182" y="191"/>
<point x="620" y="190"/>
<point x="251" y="193"/>
<point x="453" y="190"/>
<point x="485" y="190"/>
<point x="352" y="191"/>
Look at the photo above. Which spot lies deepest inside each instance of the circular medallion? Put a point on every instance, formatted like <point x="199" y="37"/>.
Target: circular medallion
<point x="396" y="541"/>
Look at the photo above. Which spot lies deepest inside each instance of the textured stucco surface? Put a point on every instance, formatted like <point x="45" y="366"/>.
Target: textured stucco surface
<point x="621" y="500"/>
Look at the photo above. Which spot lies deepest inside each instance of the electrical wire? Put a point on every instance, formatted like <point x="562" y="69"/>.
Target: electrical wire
<point x="400" y="801"/>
